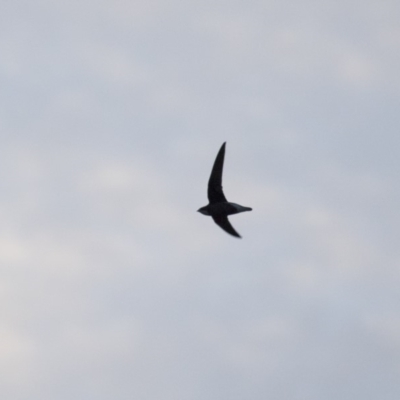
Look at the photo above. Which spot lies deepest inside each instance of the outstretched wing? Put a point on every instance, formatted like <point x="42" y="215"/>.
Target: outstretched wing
<point x="224" y="223"/>
<point x="215" y="193"/>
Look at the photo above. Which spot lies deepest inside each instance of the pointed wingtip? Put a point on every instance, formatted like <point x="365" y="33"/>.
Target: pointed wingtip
<point x="236" y="235"/>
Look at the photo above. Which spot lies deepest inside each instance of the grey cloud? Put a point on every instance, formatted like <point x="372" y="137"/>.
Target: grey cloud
<point x="112" y="287"/>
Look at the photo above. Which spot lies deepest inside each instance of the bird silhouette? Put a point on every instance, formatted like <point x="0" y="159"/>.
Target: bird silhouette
<point x="219" y="207"/>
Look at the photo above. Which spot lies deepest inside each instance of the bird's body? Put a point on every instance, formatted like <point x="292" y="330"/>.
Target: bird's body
<point x="225" y="208"/>
<point x="219" y="208"/>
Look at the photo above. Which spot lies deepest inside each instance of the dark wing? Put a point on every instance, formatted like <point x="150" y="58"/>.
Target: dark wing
<point x="224" y="223"/>
<point x="215" y="193"/>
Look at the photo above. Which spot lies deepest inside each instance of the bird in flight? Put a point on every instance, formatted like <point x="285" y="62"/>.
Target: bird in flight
<point x="219" y="208"/>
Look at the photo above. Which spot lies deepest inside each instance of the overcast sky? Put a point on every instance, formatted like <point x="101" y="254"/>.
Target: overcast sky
<point x="111" y="115"/>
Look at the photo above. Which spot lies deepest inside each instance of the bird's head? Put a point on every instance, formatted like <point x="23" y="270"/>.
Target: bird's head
<point x="203" y="210"/>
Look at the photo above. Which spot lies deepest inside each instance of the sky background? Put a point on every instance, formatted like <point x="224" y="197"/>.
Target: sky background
<point x="111" y="115"/>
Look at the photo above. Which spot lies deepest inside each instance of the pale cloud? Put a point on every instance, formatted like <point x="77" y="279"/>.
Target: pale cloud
<point x="358" y="70"/>
<point x="12" y="251"/>
<point x="17" y="353"/>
